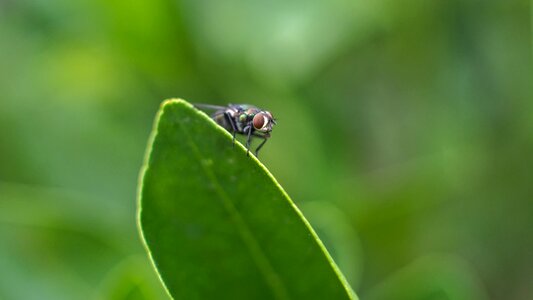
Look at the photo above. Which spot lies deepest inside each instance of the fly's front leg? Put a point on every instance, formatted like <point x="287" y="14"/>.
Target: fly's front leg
<point x="265" y="138"/>
<point x="260" y="146"/>
<point x="233" y="126"/>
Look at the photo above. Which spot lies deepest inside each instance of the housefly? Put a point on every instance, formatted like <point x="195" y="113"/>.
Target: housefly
<point x="243" y="119"/>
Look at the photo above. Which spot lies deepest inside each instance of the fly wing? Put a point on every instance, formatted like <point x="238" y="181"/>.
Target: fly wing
<point x="209" y="106"/>
<point x="219" y="114"/>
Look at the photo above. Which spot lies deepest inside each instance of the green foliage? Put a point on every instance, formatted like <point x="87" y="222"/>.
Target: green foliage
<point x="431" y="277"/>
<point x="404" y="131"/>
<point x="60" y="245"/>
<point x="216" y="223"/>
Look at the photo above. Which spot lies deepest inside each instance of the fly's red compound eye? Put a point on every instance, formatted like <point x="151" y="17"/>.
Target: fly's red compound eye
<point x="260" y="121"/>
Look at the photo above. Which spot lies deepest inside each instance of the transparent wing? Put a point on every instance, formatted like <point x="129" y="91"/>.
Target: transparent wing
<point x="209" y="106"/>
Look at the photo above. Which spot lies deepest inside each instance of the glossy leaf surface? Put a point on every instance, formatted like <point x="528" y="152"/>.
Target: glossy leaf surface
<point x="216" y="223"/>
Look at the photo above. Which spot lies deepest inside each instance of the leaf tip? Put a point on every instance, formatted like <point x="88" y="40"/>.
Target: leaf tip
<point x="174" y="101"/>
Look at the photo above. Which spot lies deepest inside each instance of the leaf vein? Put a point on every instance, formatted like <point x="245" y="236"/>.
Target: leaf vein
<point x="259" y="257"/>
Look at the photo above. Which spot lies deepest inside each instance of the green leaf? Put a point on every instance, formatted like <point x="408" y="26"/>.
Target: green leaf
<point x="216" y="223"/>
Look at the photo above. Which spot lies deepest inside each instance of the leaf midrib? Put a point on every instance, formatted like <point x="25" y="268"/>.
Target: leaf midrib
<point x="260" y="259"/>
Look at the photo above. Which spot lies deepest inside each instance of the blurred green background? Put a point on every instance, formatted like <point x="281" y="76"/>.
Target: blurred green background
<point x="405" y="134"/>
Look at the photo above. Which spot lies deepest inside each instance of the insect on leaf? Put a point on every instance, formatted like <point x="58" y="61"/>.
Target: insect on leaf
<point x="216" y="223"/>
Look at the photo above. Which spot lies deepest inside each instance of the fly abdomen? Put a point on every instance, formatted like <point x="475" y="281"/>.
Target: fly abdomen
<point x="222" y="119"/>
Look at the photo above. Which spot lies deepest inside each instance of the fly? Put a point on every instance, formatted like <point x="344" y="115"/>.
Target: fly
<point x="243" y="119"/>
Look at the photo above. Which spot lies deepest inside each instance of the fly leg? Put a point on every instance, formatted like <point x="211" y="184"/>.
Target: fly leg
<point x="233" y="126"/>
<point x="260" y="145"/>
<point x="265" y="138"/>
<point x="249" y="139"/>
